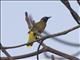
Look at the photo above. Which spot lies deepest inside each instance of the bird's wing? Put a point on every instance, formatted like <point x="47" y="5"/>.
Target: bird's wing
<point x="40" y="26"/>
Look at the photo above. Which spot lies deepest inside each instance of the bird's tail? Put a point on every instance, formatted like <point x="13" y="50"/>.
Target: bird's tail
<point x="29" y="45"/>
<point x="32" y="37"/>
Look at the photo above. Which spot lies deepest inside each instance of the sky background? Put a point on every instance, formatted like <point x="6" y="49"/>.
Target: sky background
<point x="14" y="27"/>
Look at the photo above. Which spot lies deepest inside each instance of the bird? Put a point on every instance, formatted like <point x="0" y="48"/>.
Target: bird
<point x="39" y="27"/>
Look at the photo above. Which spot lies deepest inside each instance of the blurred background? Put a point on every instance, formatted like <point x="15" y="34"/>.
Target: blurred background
<point x="14" y="29"/>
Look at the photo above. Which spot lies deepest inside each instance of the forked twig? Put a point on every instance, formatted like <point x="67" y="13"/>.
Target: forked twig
<point x="73" y="13"/>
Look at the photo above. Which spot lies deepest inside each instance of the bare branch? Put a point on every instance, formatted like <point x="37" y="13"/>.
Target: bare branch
<point x="45" y="49"/>
<point x="63" y="41"/>
<point x="73" y="13"/>
<point x="60" y="58"/>
<point x="38" y="49"/>
<point x="26" y="55"/>
<point x="49" y="36"/>
<point x="13" y="46"/>
<point x="6" y="53"/>
<point x="78" y="1"/>
<point x="61" y="54"/>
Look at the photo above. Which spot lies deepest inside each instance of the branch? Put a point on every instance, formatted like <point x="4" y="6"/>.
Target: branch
<point x="13" y="46"/>
<point x="61" y="54"/>
<point x="45" y="49"/>
<point x="38" y="49"/>
<point x="49" y="36"/>
<point x="44" y="39"/>
<point x="63" y="41"/>
<point x="78" y="1"/>
<point x="26" y="55"/>
<point x="60" y="58"/>
<point x="73" y="13"/>
<point x="6" y="53"/>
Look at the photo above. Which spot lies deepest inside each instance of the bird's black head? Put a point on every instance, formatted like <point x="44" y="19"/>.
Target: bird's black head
<point x="45" y="18"/>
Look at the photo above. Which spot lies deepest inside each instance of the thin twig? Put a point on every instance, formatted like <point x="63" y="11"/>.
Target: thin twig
<point x="63" y="41"/>
<point x="73" y="13"/>
<point x="38" y="49"/>
<point x="60" y="58"/>
<point x="61" y="54"/>
<point x="78" y="1"/>
<point x="26" y="55"/>
<point x="6" y="53"/>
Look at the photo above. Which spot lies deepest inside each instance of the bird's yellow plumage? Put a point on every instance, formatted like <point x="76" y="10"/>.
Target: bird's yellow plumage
<point x="32" y="37"/>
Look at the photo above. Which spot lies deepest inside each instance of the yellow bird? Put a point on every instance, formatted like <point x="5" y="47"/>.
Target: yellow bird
<point x="39" y="27"/>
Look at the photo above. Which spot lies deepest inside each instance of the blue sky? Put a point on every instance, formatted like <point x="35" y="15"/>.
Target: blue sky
<point x="14" y="27"/>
